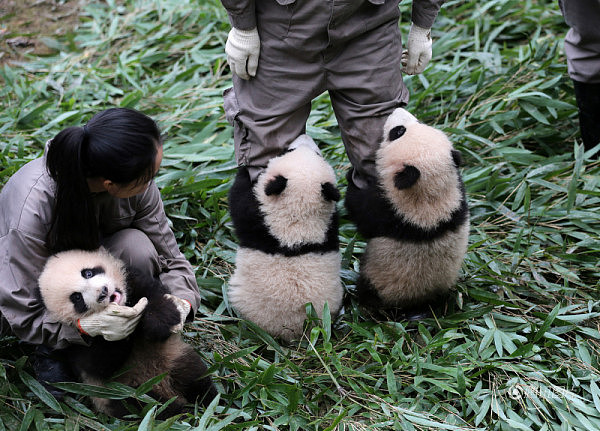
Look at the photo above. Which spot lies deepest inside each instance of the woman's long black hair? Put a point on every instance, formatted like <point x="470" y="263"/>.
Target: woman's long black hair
<point x="118" y="144"/>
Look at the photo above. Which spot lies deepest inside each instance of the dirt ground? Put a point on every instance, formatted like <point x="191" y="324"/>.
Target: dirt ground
<point x="25" y="23"/>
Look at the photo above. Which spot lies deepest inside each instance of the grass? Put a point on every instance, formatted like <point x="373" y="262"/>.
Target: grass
<point x="518" y="348"/>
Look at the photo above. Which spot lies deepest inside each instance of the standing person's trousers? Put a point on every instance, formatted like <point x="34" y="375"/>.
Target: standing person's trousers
<point x="582" y="43"/>
<point x="308" y="47"/>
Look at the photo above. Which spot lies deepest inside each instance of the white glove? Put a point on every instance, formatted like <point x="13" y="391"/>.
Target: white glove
<point x="242" y="49"/>
<point x="417" y="54"/>
<point x="115" y="322"/>
<point x="183" y="306"/>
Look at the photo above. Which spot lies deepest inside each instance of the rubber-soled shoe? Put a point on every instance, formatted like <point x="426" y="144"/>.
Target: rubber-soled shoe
<point x="588" y="102"/>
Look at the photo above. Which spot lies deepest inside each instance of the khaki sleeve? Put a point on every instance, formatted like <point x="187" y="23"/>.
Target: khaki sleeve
<point x="23" y="258"/>
<point x="424" y="12"/>
<point x="242" y="14"/>
<point x="177" y="273"/>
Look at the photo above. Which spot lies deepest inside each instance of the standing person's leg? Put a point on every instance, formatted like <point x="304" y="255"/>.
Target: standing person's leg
<point x="365" y="83"/>
<point x="270" y="110"/>
<point x="582" y="47"/>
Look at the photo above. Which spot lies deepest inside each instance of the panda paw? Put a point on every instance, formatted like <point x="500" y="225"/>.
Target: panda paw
<point x="159" y="318"/>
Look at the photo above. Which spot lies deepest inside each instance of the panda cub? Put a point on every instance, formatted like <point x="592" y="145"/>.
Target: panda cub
<point x="76" y="284"/>
<point x="416" y="219"/>
<point x="287" y="225"/>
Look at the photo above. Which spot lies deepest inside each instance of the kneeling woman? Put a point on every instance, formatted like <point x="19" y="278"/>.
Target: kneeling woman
<point x="93" y="187"/>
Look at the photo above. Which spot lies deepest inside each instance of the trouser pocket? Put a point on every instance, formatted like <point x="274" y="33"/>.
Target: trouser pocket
<point x="240" y="131"/>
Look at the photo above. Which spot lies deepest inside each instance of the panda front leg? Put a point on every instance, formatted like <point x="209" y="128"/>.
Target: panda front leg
<point x="161" y="314"/>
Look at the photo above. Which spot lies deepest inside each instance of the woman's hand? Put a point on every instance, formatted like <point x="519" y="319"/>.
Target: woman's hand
<point x="114" y="323"/>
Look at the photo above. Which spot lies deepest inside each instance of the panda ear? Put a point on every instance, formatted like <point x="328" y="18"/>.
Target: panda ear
<point x="330" y="192"/>
<point x="396" y="132"/>
<point x="276" y="185"/>
<point x="406" y="177"/>
<point x="457" y="158"/>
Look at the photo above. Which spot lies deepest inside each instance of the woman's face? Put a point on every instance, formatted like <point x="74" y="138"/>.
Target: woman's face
<point x="135" y="188"/>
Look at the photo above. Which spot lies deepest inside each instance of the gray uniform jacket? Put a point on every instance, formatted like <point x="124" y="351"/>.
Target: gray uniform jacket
<point x="242" y="12"/>
<point x="26" y="204"/>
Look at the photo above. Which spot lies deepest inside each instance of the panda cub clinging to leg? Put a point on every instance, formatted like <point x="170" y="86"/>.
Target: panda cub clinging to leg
<point x="416" y="219"/>
<point x="287" y="225"/>
<point x="76" y="283"/>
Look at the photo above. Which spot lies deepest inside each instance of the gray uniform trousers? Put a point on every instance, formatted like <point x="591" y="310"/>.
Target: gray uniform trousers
<point x="134" y="248"/>
<point x="582" y="43"/>
<point x="350" y="49"/>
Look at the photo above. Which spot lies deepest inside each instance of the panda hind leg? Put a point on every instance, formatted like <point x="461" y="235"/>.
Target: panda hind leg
<point x="369" y="299"/>
<point x="418" y="309"/>
<point x="115" y="408"/>
<point x="377" y="309"/>
<point x="423" y="308"/>
<point x="367" y="293"/>
<point x="121" y="408"/>
<point x="51" y="366"/>
<point x="190" y="378"/>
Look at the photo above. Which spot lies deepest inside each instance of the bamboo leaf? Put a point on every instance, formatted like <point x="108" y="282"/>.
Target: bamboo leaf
<point x="41" y="392"/>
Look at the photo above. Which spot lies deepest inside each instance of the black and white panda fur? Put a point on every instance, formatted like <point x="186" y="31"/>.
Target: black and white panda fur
<point x="77" y="283"/>
<point x="287" y="226"/>
<point x="416" y="218"/>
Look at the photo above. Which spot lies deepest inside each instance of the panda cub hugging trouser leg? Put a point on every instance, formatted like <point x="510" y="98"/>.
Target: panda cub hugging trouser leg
<point x="415" y="218"/>
<point x="287" y="225"/>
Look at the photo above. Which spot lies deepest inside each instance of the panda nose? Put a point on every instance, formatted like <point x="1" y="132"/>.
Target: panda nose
<point x="103" y="294"/>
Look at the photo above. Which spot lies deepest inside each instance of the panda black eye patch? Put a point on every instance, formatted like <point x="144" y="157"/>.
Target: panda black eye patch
<point x="397" y="132"/>
<point x="78" y="302"/>
<point x="91" y="272"/>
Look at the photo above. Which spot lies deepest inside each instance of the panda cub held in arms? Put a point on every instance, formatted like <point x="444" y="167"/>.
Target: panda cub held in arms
<point x="76" y="284"/>
<point x="416" y="219"/>
<point x="287" y="226"/>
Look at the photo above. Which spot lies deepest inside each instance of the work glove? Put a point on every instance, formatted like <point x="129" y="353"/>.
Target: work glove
<point x="242" y="49"/>
<point x="114" y="323"/>
<point x="417" y="54"/>
<point x="184" y="307"/>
